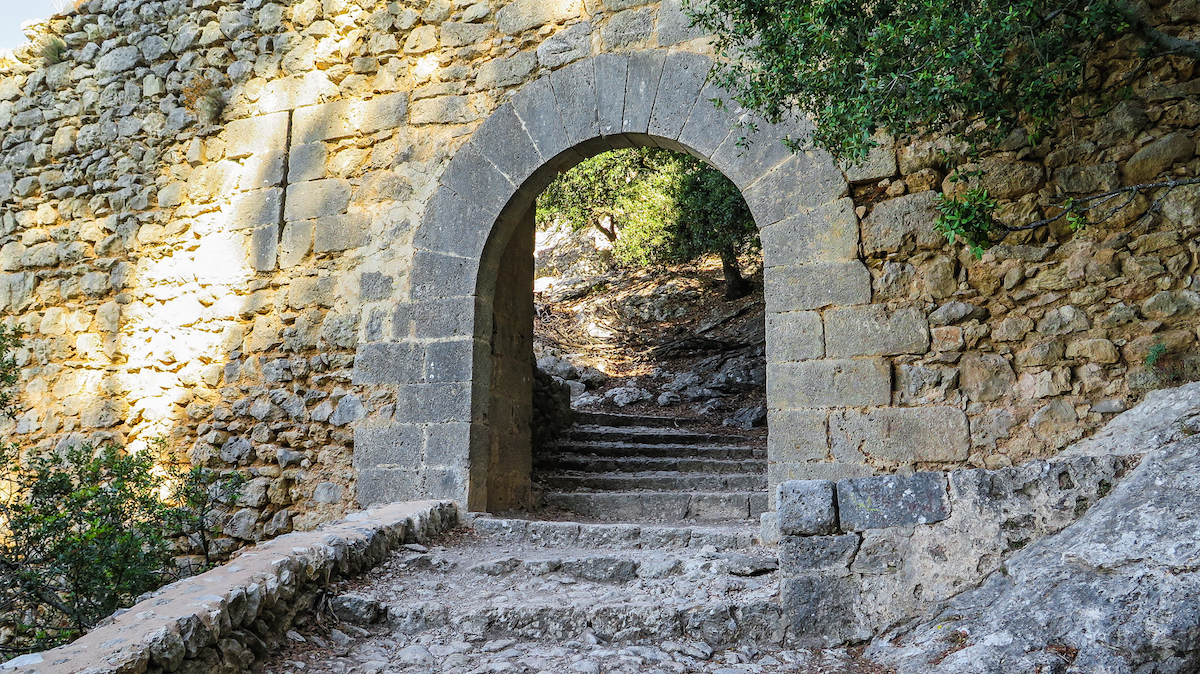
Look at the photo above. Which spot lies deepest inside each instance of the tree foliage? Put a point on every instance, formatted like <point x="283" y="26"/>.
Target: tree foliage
<point x="86" y="531"/>
<point x="657" y="206"/>
<point x="906" y="65"/>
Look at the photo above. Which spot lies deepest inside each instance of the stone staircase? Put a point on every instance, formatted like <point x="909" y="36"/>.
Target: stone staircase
<point x="642" y="468"/>
<point x="532" y="579"/>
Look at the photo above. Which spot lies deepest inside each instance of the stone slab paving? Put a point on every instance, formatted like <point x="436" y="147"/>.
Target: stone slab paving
<point x="486" y="603"/>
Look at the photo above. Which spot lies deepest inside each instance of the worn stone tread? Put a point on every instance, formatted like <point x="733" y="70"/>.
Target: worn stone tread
<point x="657" y="480"/>
<point x="630" y="464"/>
<point x="603" y="448"/>
<point x="649" y="435"/>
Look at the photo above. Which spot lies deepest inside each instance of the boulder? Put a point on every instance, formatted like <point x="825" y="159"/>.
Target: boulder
<point x="1113" y="592"/>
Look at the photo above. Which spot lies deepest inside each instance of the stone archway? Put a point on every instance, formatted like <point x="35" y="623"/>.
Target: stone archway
<point x="439" y="442"/>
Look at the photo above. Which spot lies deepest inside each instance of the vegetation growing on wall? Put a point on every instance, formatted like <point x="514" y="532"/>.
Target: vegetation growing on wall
<point x="85" y="531"/>
<point x="656" y="206"/>
<point x="976" y="70"/>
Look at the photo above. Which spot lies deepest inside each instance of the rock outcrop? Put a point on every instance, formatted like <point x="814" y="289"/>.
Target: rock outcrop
<point x="1114" y="592"/>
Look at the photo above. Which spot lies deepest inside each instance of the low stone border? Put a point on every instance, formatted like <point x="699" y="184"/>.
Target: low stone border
<point x="226" y="618"/>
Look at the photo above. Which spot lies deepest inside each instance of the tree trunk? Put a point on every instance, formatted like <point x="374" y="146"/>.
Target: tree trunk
<point x="736" y="287"/>
<point x="609" y="232"/>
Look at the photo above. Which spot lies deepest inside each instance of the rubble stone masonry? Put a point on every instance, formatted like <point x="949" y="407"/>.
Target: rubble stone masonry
<point x="302" y="283"/>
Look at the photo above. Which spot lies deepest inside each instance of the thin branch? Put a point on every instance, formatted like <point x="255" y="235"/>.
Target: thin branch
<point x="1132" y="191"/>
<point x="1168" y="44"/>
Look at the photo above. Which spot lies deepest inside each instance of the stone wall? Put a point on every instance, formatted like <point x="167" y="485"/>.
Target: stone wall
<point x="303" y="286"/>
<point x="865" y="554"/>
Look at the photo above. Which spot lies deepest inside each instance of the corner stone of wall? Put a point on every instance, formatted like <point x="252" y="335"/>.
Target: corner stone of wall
<point x="224" y="619"/>
<point x="863" y="554"/>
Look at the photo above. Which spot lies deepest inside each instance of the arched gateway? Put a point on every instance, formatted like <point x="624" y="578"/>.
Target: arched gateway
<point x="457" y="429"/>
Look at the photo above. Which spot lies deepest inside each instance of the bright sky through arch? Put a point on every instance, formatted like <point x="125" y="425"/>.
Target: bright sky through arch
<point x="15" y="12"/>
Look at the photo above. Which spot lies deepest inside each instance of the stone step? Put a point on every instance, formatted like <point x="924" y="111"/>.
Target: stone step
<point x="616" y="568"/>
<point x="661" y="480"/>
<point x="708" y="624"/>
<point x="597" y="448"/>
<point x="625" y="420"/>
<point x="615" y="536"/>
<point x="661" y="506"/>
<point x="646" y="435"/>
<point x="634" y="464"/>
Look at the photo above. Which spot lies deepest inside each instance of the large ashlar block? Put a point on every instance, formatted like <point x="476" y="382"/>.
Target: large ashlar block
<point x="806" y="508"/>
<point x="822" y="234"/>
<point x="892" y="501"/>
<point x="798" y="435"/>
<point x="794" y="336"/>
<point x="872" y="330"/>
<point x="253" y="135"/>
<point x="348" y="118"/>
<point x="816" y="286"/>
<point x="903" y="434"/>
<point x="830" y="383"/>
<point x="317" y="199"/>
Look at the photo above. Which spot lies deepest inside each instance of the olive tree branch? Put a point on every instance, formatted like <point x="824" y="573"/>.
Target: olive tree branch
<point x="1077" y="205"/>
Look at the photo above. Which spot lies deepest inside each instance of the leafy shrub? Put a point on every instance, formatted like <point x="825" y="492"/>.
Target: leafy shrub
<point x="967" y="219"/>
<point x="86" y="531"/>
<point x="83" y="535"/>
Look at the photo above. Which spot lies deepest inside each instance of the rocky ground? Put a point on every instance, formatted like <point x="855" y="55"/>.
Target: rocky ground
<point x="658" y="340"/>
<point x="483" y="602"/>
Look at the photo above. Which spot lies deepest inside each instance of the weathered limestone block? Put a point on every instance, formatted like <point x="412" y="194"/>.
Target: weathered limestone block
<point x="628" y="27"/>
<point x="794" y="336"/>
<point x="422" y="39"/>
<point x="986" y="376"/>
<point x="1088" y="179"/>
<point x="820" y="610"/>
<point x="505" y="72"/>
<point x="256" y="208"/>
<point x="307" y="162"/>
<point x="265" y="133"/>
<point x="829" y="383"/>
<point x="815" y="286"/>
<point x="442" y="110"/>
<point x="895" y="222"/>
<point x="317" y="199"/>
<point x="806" y="508"/>
<point x="904" y="435"/>
<point x="525" y="14"/>
<point x="571" y="44"/>
<point x="870" y="330"/>
<point x="880" y="161"/>
<point x="804" y="554"/>
<point x="456" y="34"/>
<point x="674" y="25"/>
<point x="798" y="436"/>
<point x="1158" y="157"/>
<point x="684" y="75"/>
<point x="892" y="500"/>
<point x="822" y="234"/>
<point x="340" y="232"/>
<point x="347" y="118"/>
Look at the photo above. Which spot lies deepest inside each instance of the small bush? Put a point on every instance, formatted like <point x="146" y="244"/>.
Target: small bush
<point x="53" y="51"/>
<point x="83" y="536"/>
<point x="87" y="531"/>
<point x="202" y="98"/>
